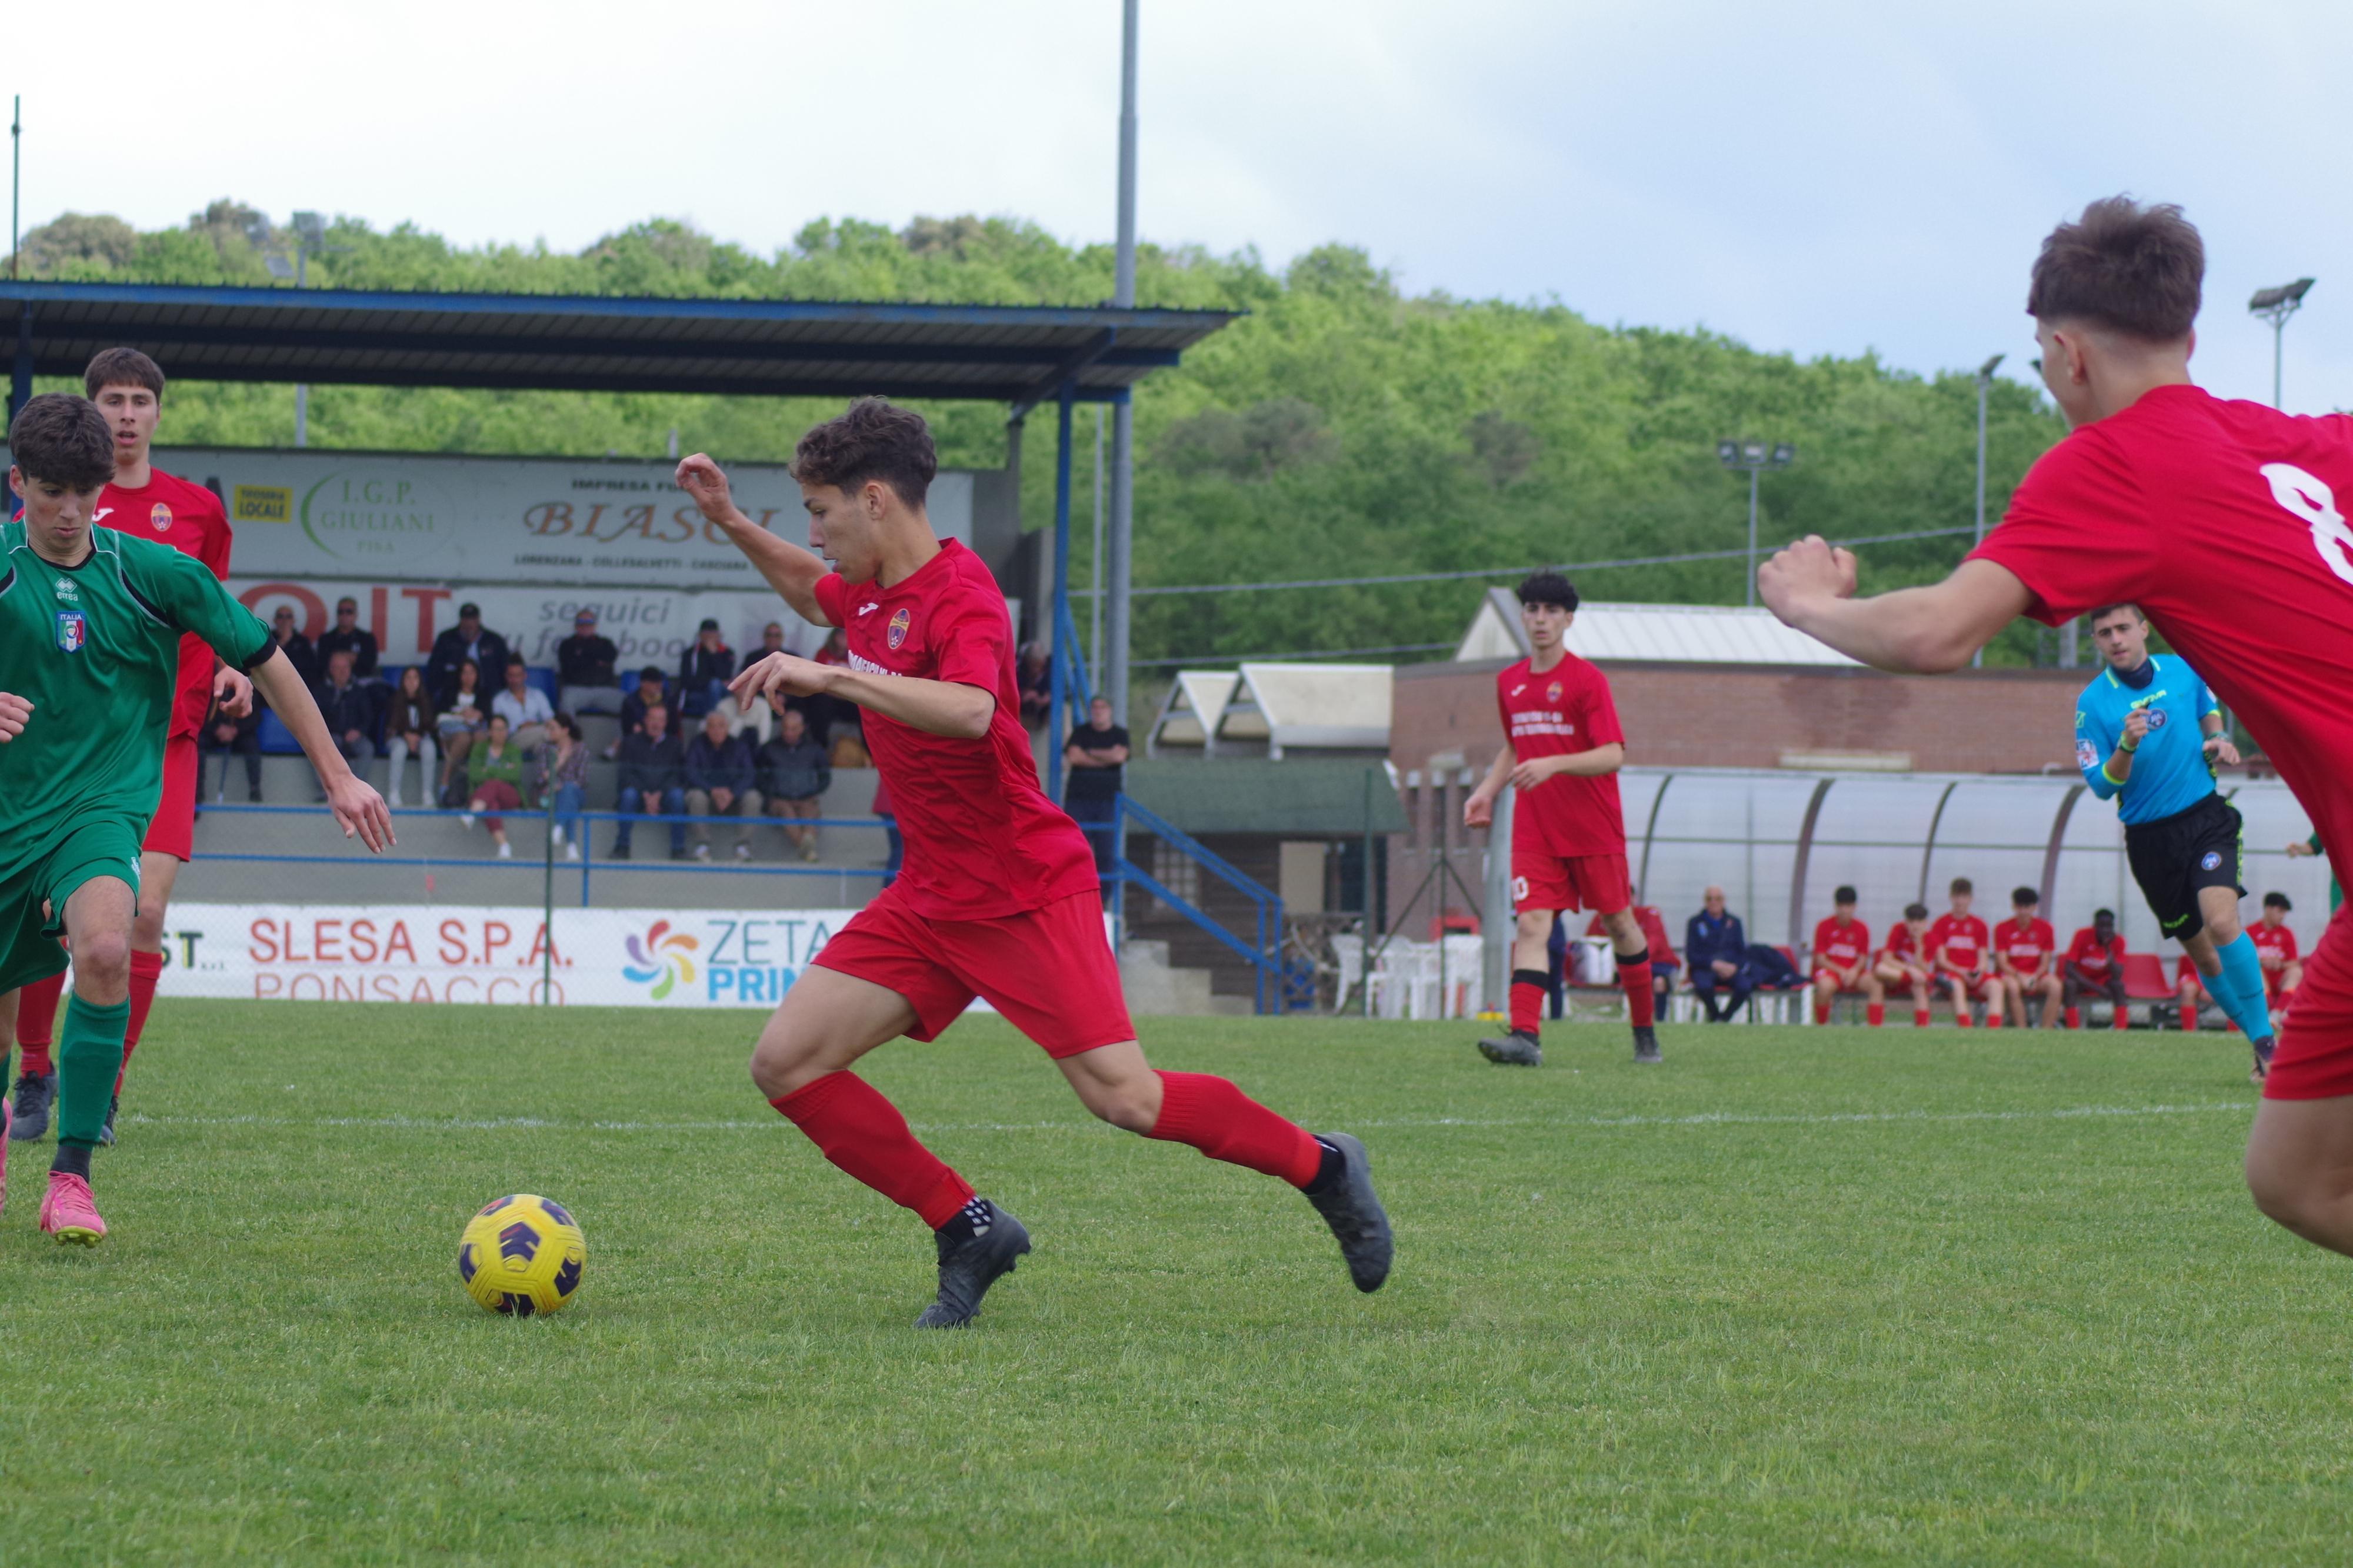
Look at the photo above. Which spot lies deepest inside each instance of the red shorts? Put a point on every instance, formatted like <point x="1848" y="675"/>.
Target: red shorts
<point x="1983" y="986"/>
<point x="1566" y="883"/>
<point x="173" y="831"/>
<point x="1825" y="973"/>
<point x="1050" y="970"/>
<point x="2315" y="1059"/>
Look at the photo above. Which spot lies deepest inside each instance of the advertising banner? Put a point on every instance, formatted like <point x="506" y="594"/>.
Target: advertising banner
<point x="447" y="952"/>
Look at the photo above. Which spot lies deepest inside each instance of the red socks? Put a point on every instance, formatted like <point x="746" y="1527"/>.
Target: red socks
<point x="2123" y="1016"/>
<point x="1876" y="1013"/>
<point x="1217" y="1118"/>
<point x="1528" y="992"/>
<point x="37" y="1018"/>
<point x="144" y="969"/>
<point x="1961" y="1018"/>
<point x="1919" y="1018"/>
<point x="2074" y="1018"/>
<point x="1821" y="1012"/>
<point x="1634" y="979"/>
<point x="864" y="1133"/>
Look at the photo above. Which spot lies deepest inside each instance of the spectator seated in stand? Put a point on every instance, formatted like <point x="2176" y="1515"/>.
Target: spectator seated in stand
<point x="523" y="706"/>
<point x="721" y="781"/>
<point x="411" y="725"/>
<point x="295" y="645"/>
<point x="563" y="775"/>
<point x="653" y="780"/>
<point x="1841" y="962"/>
<point x="585" y="681"/>
<point x="703" y="671"/>
<point x="1715" y="946"/>
<point x="227" y="737"/>
<point x="825" y="712"/>
<point x="350" y="713"/>
<point x="647" y="694"/>
<point x="1034" y="674"/>
<point x="1960" y="953"/>
<point x="1096" y="754"/>
<point x="2026" y="954"/>
<point x="346" y="636"/>
<point x="794" y="776"/>
<point x="2276" y="946"/>
<point x="497" y="767"/>
<point x="2094" y="963"/>
<point x="469" y="639"/>
<point x="460" y="721"/>
<point x="1904" y="961"/>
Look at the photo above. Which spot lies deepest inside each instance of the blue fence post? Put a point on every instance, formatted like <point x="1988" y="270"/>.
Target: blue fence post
<point x="1056" y="723"/>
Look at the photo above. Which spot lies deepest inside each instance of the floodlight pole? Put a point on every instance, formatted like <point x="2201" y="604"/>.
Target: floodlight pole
<point x="1753" y="457"/>
<point x="16" y="178"/>
<point x="1095" y="570"/>
<point x="2275" y="306"/>
<point x="1120" y="547"/>
<point x="1751" y="599"/>
<point x="301" y="389"/>
<point x="1985" y="387"/>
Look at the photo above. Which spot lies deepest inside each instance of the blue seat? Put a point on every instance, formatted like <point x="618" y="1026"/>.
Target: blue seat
<point x="276" y="740"/>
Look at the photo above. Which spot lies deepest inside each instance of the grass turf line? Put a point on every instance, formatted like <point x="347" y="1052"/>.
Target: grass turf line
<point x="1799" y="1295"/>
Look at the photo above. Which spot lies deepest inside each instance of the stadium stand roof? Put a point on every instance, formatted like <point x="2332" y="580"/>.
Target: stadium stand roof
<point x="1019" y="354"/>
<point x="1313" y="706"/>
<point x="1657" y="633"/>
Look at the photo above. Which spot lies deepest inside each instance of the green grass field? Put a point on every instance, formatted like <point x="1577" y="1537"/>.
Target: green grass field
<point x="1797" y="1296"/>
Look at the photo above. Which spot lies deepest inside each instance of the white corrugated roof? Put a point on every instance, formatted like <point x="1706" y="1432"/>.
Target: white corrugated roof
<point x="1681" y="633"/>
<point x="1194" y="705"/>
<point x="1311" y="705"/>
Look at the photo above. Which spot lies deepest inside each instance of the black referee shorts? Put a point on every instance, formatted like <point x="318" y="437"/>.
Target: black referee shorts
<point x="2175" y="856"/>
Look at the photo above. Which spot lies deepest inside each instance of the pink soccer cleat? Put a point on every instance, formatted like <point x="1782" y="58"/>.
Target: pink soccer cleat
<point x="68" y="1212"/>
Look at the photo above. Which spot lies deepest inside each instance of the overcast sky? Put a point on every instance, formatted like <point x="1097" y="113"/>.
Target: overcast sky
<point x="1822" y="178"/>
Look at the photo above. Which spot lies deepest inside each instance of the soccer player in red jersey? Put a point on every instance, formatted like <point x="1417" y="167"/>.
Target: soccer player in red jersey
<point x="1960" y="950"/>
<point x="2094" y="961"/>
<point x="1561" y="753"/>
<point x="2025" y="950"/>
<point x="2226" y="523"/>
<point x="998" y="895"/>
<point x="128" y="388"/>
<point x="1904" y="961"/>
<point x="1843" y="960"/>
<point x="2275" y="945"/>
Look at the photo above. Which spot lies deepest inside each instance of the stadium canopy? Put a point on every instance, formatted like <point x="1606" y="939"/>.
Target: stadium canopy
<point x="1020" y="355"/>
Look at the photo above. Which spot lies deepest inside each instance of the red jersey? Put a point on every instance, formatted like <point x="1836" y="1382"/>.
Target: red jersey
<point x="1559" y="712"/>
<point x="2027" y="945"/>
<point x="2086" y="953"/>
<point x="983" y="840"/>
<point x="2227" y="523"/>
<point x="1902" y="946"/>
<point x="1844" y="944"/>
<point x="1958" y="941"/>
<point x="2275" y="944"/>
<point x="170" y="510"/>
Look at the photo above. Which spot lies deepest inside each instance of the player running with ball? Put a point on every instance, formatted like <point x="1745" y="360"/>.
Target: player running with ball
<point x="2225" y="524"/>
<point x="90" y="623"/>
<point x="1562" y="749"/>
<point x="998" y="895"/>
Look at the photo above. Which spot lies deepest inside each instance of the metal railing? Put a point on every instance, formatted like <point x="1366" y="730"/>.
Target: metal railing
<point x="1263" y="949"/>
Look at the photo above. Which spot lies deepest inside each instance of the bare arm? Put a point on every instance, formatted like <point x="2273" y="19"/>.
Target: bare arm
<point x="790" y="570"/>
<point x="1480" y="809"/>
<point x="1915" y="631"/>
<point x="357" y="807"/>
<point x="934" y="707"/>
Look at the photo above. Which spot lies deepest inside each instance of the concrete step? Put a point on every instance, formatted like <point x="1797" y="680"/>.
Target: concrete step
<point x="1155" y="989"/>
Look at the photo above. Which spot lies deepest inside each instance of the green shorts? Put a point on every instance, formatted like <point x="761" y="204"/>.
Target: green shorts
<point x="101" y="846"/>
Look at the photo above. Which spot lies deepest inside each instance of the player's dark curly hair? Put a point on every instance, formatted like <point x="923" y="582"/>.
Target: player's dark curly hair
<point x="1843" y="896"/>
<point x="122" y="367"/>
<point x="1548" y="588"/>
<point x="1915" y="912"/>
<point x="2024" y="897"/>
<point x="63" y="440"/>
<point x="872" y="440"/>
<point x="2131" y="268"/>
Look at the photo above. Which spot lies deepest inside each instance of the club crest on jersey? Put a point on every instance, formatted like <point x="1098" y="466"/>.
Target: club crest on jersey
<point x="1552" y="692"/>
<point x="2155" y="718"/>
<point x="900" y="621"/>
<point x="73" y="631"/>
<point x="2213" y="861"/>
<point x="162" y="518"/>
<point x="2086" y="755"/>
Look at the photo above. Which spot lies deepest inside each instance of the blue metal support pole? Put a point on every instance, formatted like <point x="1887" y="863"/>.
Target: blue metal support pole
<point x="1057" y="721"/>
<point x="20" y="383"/>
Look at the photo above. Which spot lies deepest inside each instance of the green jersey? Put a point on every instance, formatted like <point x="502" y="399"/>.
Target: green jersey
<point x="95" y="649"/>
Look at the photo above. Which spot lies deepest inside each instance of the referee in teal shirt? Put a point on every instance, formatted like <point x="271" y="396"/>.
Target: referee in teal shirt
<point x="2147" y="736"/>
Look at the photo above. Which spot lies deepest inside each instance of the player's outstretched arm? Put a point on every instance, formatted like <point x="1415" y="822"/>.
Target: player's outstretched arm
<point x="1911" y="631"/>
<point x="357" y="807"/>
<point x="792" y="571"/>
<point x="936" y="707"/>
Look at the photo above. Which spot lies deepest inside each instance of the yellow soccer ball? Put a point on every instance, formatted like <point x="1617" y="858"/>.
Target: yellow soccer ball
<point x="522" y="1255"/>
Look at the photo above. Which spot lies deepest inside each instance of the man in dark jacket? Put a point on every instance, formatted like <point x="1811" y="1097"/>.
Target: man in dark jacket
<point x="346" y="636"/>
<point x="294" y="645"/>
<point x="703" y="670"/>
<point x="345" y="704"/>
<point x="468" y="639"/>
<point x="719" y="778"/>
<point x="1716" y="948"/>
<point x="795" y="775"/>
<point x="653" y="767"/>
<point x="585" y="681"/>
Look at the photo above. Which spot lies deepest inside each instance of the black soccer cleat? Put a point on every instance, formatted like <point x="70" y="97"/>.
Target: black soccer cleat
<point x="29" y="1117"/>
<point x="970" y="1266"/>
<point x="1516" y="1049"/>
<point x="106" y="1133"/>
<point x="1646" y="1046"/>
<point x="1354" y="1212"/>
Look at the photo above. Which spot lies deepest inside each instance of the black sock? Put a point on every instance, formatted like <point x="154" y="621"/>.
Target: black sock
<point x="1329" y="1171"/>
<point x="973" y="1219"/>
<point x="1641" y="957"/>
<point x="73" y="1159"/>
